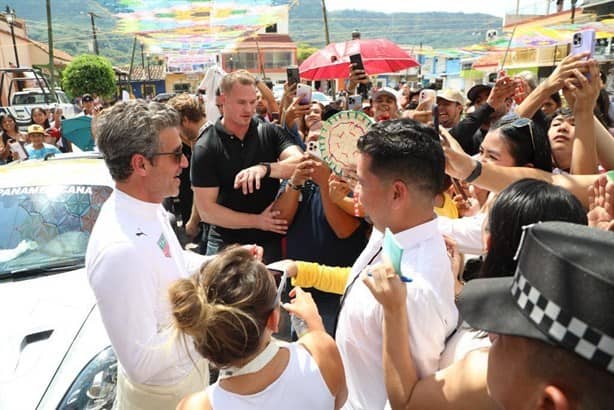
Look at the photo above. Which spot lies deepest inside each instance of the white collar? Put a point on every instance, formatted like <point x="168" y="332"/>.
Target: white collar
<point x="255" y="365"/>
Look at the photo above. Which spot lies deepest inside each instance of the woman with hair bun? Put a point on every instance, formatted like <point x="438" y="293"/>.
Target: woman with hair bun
<point x="231" y="310"/>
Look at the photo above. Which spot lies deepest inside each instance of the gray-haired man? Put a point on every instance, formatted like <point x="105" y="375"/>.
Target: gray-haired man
<point x="133" y="255"/>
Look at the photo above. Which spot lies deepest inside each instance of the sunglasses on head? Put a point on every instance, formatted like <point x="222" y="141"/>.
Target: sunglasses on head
<point x="521" y="123"/>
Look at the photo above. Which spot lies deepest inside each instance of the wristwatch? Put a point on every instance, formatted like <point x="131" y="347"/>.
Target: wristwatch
<point x="477" y="171"/>
<point x="267" y="165"/>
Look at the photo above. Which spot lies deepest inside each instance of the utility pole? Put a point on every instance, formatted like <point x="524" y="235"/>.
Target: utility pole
<point x="131" y="65"/>
<point x="92" y="15"/>
<point x="573" y="10"/>
<point x="9" y="15"/>
<point x="142" y="56"/>
<point x="50" y="45"/>
<point x="327" y="37"/>
<point x="325" y="22"/>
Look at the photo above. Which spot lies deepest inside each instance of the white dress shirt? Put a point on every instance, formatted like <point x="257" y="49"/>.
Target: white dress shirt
<point x="466" y="232"/>
<point x="430" y="304"/>
<point x="133" y="256"/>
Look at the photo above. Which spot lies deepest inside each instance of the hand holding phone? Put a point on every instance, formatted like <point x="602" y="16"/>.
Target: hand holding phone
<point x="583" y="41"/>
<point x="355" y="102"/>
<point x="292" y="75"/>
<point x="427" y="99"/>
<point x="303" y="92"/>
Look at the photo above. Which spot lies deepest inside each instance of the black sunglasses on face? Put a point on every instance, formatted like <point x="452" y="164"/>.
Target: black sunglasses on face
<point x="177" y="154"/>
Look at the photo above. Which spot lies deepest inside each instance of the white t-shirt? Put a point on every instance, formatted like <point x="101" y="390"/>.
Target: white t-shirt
<point x="132" y="257"/>
<point x="300" y="386"/>
<point x="465" y="340"/>
<point x="430" y="304"/>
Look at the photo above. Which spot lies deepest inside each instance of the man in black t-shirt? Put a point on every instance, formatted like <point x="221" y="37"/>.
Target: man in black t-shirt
<point x="235" y="172"/>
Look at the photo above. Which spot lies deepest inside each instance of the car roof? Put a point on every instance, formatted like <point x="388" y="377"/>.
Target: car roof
<point x="64" y="169"/>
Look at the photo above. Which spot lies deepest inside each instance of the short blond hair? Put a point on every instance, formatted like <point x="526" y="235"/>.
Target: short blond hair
<point x="242" y="77"/>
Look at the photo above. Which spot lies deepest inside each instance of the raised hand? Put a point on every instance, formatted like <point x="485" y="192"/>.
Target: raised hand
<point x="601" y="204"/>
<point x="385" y="285"/>
<point x="303" y="306"/>
<point x="338" y="188"/>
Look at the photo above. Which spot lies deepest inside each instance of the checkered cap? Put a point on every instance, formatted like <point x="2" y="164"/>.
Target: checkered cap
<point x="569" y="331"/>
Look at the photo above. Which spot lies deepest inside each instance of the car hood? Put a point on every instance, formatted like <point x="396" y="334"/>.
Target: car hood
<point x="40" y="319"/>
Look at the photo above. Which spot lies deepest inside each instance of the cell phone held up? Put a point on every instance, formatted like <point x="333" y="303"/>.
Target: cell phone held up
<point x="303" y="92"/>
<point x="583" y="41"/>
<point x="356" y="61"/>
<point x="292" y="75"/>
<point x="355" y="102"/>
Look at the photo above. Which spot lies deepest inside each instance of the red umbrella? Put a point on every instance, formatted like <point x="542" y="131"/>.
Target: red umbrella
<point x="378" y="56"/>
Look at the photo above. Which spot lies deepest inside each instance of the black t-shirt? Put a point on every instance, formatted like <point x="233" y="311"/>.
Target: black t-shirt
<point x="219" y="156"/>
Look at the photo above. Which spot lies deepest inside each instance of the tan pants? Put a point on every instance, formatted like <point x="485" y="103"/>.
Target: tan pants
<point x="135" y="396"/>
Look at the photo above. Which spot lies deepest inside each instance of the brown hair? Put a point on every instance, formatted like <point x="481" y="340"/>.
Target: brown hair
<point x="242" y="77"/>
<point x="225" y="306"/>
<point x="188" y="107"/>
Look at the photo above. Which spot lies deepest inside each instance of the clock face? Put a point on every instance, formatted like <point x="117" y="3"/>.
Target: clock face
<point x="338" y="138"/>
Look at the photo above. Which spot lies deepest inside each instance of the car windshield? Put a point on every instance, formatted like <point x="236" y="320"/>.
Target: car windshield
<point x="47" y="227"/>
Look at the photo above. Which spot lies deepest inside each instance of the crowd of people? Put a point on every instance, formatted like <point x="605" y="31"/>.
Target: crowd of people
<point x="504" y="216"/>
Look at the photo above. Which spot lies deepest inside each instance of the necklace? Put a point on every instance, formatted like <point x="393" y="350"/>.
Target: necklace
<point x="256" y="364"/>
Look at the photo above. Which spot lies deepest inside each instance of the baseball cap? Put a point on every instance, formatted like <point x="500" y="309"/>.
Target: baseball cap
<point x="562" y="292"/>
<point x="87" y="98"/>
<point x="36" y="129"/>
<point x="388" y="91"/>
<point x="452" y="95"/>
<point x="474" y="91"/>
<point x="54" y="132"/>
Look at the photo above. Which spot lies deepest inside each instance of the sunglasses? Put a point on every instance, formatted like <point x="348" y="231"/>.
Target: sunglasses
<point x="521" y="123"/>
<point x="177" y="154"/>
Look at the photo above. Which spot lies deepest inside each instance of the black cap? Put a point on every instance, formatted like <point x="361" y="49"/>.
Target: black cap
<point x="87" y="98"/>
<point x="562" y="292"/>
<point x="473" y="92"/>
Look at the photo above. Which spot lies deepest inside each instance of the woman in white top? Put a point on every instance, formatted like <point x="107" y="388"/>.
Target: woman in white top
<point x="231" y="310"/>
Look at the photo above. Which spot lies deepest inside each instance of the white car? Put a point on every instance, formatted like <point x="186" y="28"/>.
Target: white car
<point x="54" y="351"/>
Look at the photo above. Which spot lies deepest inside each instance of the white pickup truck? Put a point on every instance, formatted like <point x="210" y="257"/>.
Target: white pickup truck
<point x="26" y="88"/>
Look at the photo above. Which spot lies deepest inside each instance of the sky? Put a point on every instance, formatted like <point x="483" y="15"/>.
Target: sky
<point x="494" y="7"/>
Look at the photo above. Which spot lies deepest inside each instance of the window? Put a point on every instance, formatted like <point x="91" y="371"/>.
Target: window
<point x="149" y="89"/>
<point x="277" y="59"/>
<point x="246" y="61"/>
<point x="181" y="88"/>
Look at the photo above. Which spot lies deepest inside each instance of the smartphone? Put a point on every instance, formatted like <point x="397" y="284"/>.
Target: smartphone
<point x="355" y="102"/>
<point x="425" y="95"/>
<point x="292" y="75"/>
<point x="356" y="59"/>
<point x="313" y="149"/>
<point x="280" y="279"/>
<point x="583" y="41"/>
<point x="435" y="115"/>
<point x="303" y="92"/>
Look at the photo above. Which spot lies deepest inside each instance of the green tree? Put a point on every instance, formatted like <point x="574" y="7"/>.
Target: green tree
<point x="89" y="74"/>
<point x="303" y="51"/>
